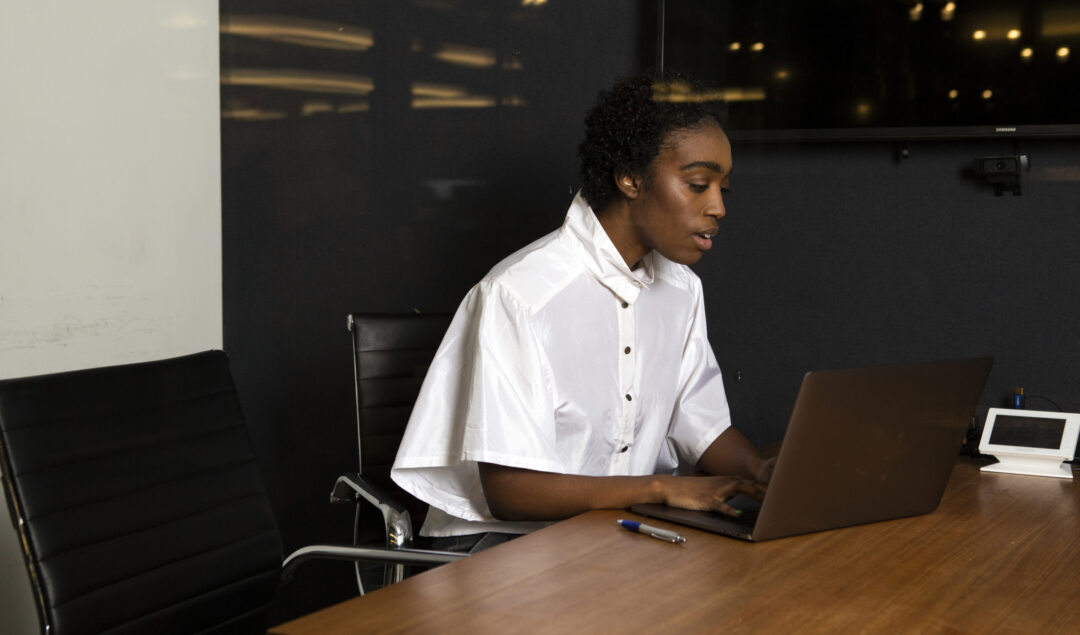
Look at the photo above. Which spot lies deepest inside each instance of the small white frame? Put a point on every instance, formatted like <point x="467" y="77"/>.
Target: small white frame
<point x="1026" y="459"/>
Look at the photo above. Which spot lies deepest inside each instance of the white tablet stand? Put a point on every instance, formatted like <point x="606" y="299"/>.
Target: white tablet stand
<point x="1030" y="442"/>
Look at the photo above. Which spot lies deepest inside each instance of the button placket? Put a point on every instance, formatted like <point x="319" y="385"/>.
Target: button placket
<point x="627" y="354"/>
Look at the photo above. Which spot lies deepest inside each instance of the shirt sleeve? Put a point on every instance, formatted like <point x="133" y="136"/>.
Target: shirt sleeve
<point x="486" y="398"/>
<point x="701" y="410"/>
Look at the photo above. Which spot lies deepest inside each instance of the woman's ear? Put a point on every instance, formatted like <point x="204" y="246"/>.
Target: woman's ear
<point x="628" y="184"/>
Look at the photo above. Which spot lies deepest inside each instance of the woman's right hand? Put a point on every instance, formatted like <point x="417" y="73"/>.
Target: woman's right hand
<point x="709" y="493"/>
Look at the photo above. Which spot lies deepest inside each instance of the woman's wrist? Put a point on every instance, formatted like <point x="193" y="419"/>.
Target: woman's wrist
<point x="657" y="491"/>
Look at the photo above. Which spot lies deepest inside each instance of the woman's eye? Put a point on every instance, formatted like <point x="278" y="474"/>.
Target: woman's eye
<point x="698" y="187"/>
<point x="725" y="190"/>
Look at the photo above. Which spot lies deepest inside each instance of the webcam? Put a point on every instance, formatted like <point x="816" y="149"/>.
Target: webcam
<point x="1003" y="172"/>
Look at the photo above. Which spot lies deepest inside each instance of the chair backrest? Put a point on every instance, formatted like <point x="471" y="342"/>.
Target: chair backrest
<point x="138" y="500"/>
<point x="391" y="355"/>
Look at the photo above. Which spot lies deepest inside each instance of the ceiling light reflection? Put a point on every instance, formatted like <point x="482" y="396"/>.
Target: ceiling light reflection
<point x="308" y="81"/>
<point x="252" y="114"/>
<point x="1063" y="54"/>
<point x="309" y="108"/>
<point x="299" y="31"/>
<point x="465" y="56"/>
<point x="1013" y="34"/>
<point x="441" y="91"/>
<point x="948" y="12"/>
<point x="979" y="34"/>
<point x="469" y="101"/>
<point x="677" y="91"/>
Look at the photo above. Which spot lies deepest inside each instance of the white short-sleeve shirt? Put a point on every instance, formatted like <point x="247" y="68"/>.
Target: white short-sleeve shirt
<point x="563" y="360"/>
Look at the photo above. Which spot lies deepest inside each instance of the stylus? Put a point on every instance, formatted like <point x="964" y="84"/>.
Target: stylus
<point x="648" y="530"/>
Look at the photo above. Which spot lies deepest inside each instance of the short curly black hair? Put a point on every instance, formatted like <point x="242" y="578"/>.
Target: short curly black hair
<point x="629" y="123"/>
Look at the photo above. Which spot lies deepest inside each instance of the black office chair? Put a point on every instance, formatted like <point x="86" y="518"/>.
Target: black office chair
<point x="391" y="354"/>
<point x="138" y="502"/>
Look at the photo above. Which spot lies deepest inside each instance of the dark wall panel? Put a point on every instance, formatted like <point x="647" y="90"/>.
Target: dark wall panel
<point x="381" y="156"/>
<point x="841" y="254"/>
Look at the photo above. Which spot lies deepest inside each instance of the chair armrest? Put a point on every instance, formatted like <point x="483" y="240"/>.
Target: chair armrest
<point x="349" y="486"/>
<point x="396" y="520"/>
<point x="368" y="554"/>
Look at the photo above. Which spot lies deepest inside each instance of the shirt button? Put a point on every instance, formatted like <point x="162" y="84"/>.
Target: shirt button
<point x="624" y="449"/>
<point x="626" y="350"/>
<point x="629" y="398"/>
<point x="625" y="304"/>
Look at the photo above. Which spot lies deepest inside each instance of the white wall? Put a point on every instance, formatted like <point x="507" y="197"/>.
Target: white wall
<point x="110" y="197"/>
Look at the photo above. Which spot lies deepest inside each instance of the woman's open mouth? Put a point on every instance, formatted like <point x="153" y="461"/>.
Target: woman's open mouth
<point x="704" y="240"/>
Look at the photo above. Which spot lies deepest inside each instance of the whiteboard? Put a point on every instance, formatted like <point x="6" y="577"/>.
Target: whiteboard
<point x="110" y="240"/>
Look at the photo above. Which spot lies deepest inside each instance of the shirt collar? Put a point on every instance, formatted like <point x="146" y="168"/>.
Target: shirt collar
<point x="601" y="257"/>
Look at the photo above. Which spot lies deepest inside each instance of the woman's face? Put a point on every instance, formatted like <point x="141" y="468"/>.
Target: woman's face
<point x="676" y="208"/>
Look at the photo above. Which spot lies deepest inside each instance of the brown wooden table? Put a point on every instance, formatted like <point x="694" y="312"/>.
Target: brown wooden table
<point x="1001" y="554"/>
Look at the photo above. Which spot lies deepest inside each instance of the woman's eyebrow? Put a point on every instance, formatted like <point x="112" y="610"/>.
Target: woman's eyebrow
<point x="708" y="165"/>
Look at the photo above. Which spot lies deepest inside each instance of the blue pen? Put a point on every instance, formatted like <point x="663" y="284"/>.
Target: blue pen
<point x="648" y="530"/>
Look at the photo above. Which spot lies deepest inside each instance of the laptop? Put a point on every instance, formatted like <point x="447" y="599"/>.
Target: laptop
<point x="862" y="445"/>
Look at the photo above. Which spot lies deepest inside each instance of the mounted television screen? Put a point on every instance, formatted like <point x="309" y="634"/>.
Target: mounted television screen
<point x="850" y="69"/>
